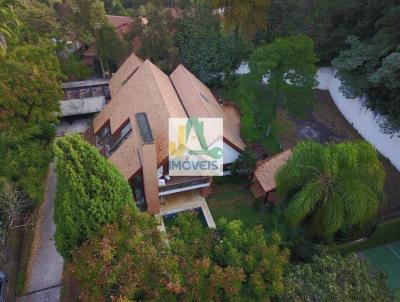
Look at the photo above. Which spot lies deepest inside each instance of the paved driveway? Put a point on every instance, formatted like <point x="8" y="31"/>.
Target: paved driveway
<point x="46" y="264"/>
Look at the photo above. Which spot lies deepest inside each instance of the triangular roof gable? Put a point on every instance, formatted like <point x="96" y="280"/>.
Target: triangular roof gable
<point x="148" y="90"/>
<point x="199" y="101"/>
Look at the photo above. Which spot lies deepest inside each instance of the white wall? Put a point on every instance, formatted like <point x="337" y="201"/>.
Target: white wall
<point x="363" y="119"/>
<point x="229" y="154"/>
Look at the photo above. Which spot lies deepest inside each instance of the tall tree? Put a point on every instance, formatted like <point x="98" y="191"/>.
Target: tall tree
<point x="354" y="66"/>
<point x="90" y="193"/>
<point x="154" y="27"/>
<point x="85" y="18"/>
<point x="332" y="186"/>
<point x="30" y="90"/>
<point x="384" y="93"/>
<point x="370" y="67"/>
<point x="335" y="278"/>
<point x="242" y="17"/>
<point x="328" y="23"/>
<point x="39" y="21"/>
<point x="290" y="81"/>
<point x="202" y="47"/>
<point x="9" y="24"/>
<point x="110" y="48"/>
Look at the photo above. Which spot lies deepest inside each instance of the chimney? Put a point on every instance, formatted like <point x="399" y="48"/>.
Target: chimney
<point x="148" y="158"/>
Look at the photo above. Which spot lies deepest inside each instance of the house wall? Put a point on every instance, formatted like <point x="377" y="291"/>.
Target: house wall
<point x="230" y="154"/>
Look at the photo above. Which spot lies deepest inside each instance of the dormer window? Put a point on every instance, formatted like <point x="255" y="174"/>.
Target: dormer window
<point x="204" y="97"/>
<point x="107" y="143"/>
<point x="121" y="135"/>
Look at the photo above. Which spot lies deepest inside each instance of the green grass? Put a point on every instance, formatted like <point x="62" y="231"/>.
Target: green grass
<point x="385" y="232"/>
<point x="233" y="199"/>
<point x="28" y="237"/>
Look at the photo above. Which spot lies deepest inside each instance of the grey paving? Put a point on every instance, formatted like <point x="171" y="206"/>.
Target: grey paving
<point x="46" y="264"/>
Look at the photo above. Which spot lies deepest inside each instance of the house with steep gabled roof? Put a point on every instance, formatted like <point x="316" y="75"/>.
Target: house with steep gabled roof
<point x="132" y="129"/>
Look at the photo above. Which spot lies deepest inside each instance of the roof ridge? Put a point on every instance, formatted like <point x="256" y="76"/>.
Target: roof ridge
<point x="273" y="157"/>
<point x="186" y="71"/>
<point x="152" y="66"/>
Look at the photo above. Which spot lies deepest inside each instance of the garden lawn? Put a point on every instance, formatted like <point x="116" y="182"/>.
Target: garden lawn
<point x="234" y="200"/>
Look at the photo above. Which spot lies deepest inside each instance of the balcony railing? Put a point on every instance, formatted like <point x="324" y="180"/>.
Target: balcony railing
<point x="179" y="183"/>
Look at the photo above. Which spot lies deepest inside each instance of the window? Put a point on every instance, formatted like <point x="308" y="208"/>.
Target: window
<point x="107" y="143"/>
<point x="103" y="132"/>
<point x="121" y="136"/>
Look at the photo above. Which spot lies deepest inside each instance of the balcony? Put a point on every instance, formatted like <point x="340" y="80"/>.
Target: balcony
<point x="182" y="183"/>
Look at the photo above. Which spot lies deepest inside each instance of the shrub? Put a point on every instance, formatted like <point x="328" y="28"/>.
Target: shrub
<point x="90" y="193"/>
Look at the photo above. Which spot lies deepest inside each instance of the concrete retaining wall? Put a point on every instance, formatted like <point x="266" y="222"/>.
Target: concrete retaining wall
<point x="365" y="121"/>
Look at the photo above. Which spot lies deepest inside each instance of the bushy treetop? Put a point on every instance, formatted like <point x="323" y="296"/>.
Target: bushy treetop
<point x="91" y="192"/>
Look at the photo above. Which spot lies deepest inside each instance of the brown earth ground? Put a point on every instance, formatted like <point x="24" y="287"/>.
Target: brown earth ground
<point x="326" y="124"/>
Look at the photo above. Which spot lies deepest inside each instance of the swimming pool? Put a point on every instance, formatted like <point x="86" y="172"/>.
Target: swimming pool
<point x="170" y="219"/>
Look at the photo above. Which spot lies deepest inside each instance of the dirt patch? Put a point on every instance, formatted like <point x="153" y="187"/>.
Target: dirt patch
<point x="325" y="123"/>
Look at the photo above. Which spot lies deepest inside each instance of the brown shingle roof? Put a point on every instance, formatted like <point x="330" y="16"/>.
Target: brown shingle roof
<point x="122" y="24"/>
<point x="148" y="90"/>
<point x="142" y="87"/>
<point x="131" y="64"/>
<point x="266" y="169"/>
<point x="199" y="101"/>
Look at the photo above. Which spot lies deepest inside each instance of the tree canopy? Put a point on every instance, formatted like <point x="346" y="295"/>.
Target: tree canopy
<point x="85" y="18"/>
<point x="10" y="24"/>
<point x="196" y="264"/>
<point x="91" y="192"/>
<point x="155" y="27"/>
<point x="289" y="80"/>
<point x="335" y="278"/>
<point x="30" y="90"/>
<point x="332" y="186"/>
<point x="244" y="18"/>
<point x="202" y="47"/>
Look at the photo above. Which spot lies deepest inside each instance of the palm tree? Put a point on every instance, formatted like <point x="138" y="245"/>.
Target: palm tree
<point x="244" y="17"/>
<point x="9" y="24"/>
<point x="332" y="186"/>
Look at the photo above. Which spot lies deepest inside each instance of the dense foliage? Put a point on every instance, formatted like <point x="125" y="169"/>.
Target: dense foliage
<point x="10" y="24"/>
<point x="30" y="90"/>
<point x="335" y="278"/>
<point x="91" y="192"/>
<point x="85" y="18"/>
<point x="371" y="67"/>
<point x="196" y="264"/>
<point x="332" y="186"/>
<point x="328" y="23"/>
<point x="244" y="18"/>
<point x="155" y="27"/>
<point x="202" y="47"/>
<point x="290" y="81"/>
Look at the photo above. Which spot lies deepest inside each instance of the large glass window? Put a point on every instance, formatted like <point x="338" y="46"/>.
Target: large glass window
<point x="107" y="143"/>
